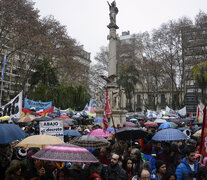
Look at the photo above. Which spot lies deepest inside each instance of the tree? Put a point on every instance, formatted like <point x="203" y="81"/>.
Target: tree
<point x="127" y="79"/>
<point x="200" y="76"/>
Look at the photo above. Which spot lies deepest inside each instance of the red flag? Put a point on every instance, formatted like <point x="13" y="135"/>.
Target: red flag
<point x="203" y="144"/>
<point x="107" y="111"/>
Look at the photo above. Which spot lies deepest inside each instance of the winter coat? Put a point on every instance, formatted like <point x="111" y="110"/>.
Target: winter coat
<point x="113" y="173"/>
<point x="183" y="171"/>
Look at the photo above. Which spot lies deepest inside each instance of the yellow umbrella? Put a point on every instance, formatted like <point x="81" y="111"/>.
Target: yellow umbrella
<point x="3" y="118"/>
<point x="27" y="118"/>
<point x="39" y="141"/>
<point x="197" y="133"/>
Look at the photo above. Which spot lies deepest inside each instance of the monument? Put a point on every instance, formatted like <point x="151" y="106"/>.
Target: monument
<point x="116" y="95"/>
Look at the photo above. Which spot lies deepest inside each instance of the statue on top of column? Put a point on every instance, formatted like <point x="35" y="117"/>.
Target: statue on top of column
<point x="113" y="12"/>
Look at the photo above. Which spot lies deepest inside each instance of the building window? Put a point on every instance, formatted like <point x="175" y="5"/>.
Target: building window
<point x="138" y="100"/>
<point x="162" y="99"/>
<point x="150" y="99"/>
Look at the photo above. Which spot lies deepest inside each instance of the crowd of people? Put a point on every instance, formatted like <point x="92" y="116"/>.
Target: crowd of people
<point x="142" y="159"/>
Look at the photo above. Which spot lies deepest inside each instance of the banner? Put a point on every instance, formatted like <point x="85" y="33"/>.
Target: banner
<point x="200" y="112"/>
<point x="107" y="111"/>
<point x="203" y="143"/>
<point x="169" y="111"/>
<point x="28" y="104"/>
<point x="13" y="108"/>
<point x="182" y="112"/>
<point x="41" y="113"/>
<point x="53" y="128"/>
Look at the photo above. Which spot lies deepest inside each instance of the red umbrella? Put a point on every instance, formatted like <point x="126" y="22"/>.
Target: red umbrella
<point x="151" y="124"/>
<point x="64" y="117"/>
<point x="65" y="153"/>
<point x="100" y="133"/>
<point x="129" y="124"/>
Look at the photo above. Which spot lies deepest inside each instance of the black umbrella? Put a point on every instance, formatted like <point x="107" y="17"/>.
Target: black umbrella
<point x="131" y="133"/>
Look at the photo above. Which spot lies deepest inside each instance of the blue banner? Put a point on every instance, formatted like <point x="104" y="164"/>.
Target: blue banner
<point x="35" y="105"/>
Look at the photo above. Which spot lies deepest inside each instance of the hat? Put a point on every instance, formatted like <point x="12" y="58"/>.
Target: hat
<point x="158" y="164"/>
<point x="21" y="154"/>
<point x="95" y="175"/>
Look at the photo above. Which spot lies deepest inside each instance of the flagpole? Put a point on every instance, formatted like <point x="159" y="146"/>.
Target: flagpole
<point x="116" y="136"/>
<point x="1" y="91"/>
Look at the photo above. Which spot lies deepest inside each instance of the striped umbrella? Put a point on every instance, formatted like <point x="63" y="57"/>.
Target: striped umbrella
<point x="90" y="142"/>
<point x="65" y="153"/>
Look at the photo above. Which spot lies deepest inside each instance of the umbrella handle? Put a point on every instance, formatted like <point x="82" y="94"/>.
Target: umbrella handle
<point x="42" y="163"/>
<point x="60" y="165"/>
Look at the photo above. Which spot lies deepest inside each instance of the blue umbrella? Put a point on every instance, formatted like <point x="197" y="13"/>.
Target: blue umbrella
<point x="169" y="135"/>
<point x="165" y="125"/>
<point x="111" y="129"/>
<point x="10" y="132"/>
<point x="71" y="132"/>
<point x="99" y="120"/>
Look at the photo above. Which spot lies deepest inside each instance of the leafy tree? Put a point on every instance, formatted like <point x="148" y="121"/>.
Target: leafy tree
<point x="128" y="77"/>
<point x="200" y="76"/>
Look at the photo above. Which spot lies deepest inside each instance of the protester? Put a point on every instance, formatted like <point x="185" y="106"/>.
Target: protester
<point x="16" y="171"/>
<point x="144" y="174"/>
<point x="187" y="169"/>
<point x="138" y="162"/>
<point x="128" y="167"/>
<point x="160" y="170"/>
<point x="113" y="171"/>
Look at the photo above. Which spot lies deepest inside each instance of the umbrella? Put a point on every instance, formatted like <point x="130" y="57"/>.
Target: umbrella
<point x="10" y="132"/>
<point x="90" y="142"/>
<point x="68" y="121"/>
<point x="173" y="124"/>
<point x="198" y="133"/>
<point x="160" y="121"/>
<point x="71" y="132"/>
<point x="39" y="141"/>
<point x="165" y="125"/>
<point x="133" y="119"/>
<point x="65" y="125"/>
<point x="100" y="133"/>
<point x="129" y="124"/>
<point x="27" y="118"/>
<point x="169" y="135"/>
<point x="99" y="120"/>
<point x="42" y="119"/>
<point x="4" y="118"/>
<point x="65" y="153"/>
<point x="175" y="121"/>
<point x="131" y="133"/>
<point x="111" y="129"/>
<point x="150" y="124"/>
<point x="64" y="117"/>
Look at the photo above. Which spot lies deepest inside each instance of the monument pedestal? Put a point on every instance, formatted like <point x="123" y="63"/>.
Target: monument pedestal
<point x="119" y="116"/>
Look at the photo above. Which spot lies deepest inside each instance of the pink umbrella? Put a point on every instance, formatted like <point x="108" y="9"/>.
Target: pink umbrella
<point x="151" y="124"/>
<point x="100" y="133"/>
<point x="129" y="124"/>
<point x="65" y="153"/>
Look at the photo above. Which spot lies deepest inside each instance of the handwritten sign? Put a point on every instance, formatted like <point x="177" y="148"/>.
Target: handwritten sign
<point x="53" y="128"/>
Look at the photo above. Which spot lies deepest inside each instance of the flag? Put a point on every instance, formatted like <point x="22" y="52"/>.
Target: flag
<point x="4" y="62"/>
<point x="203" y="143"/>
<point x="198" y="112"/>
<point x="107" y="111"/>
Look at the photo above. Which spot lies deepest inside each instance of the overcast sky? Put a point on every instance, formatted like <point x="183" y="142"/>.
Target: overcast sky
<point x="87" y="20"/>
